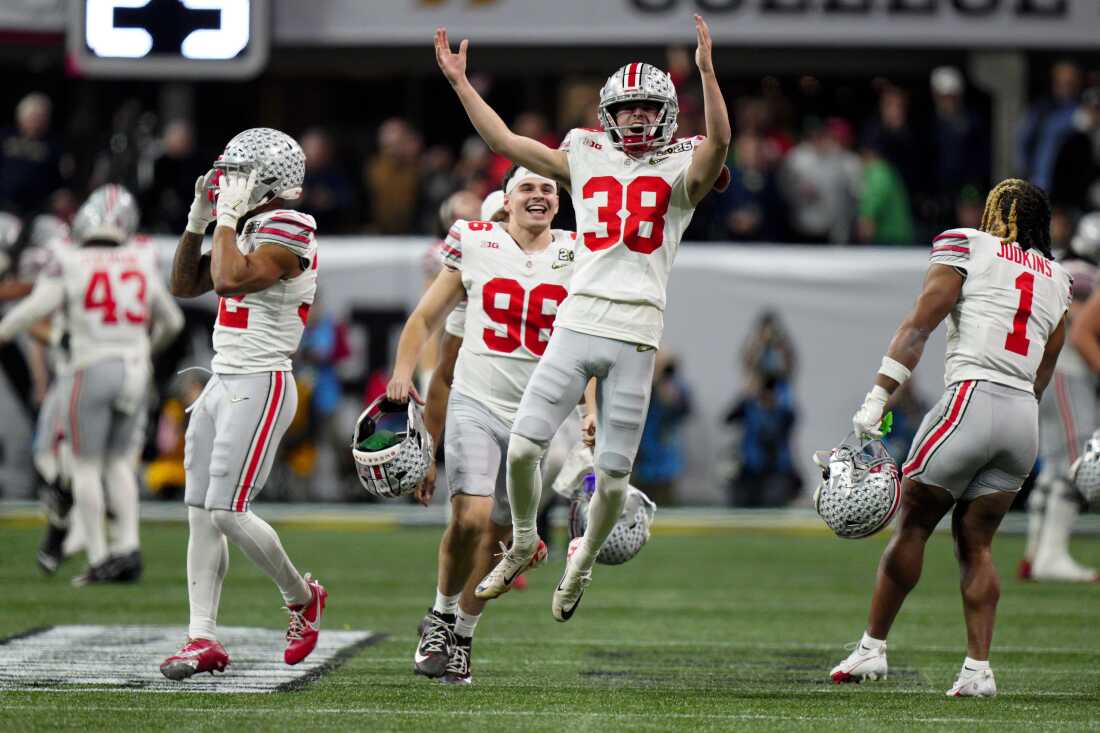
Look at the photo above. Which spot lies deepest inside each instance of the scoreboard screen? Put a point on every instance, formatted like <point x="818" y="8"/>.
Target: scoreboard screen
<point x="169" y="38"/>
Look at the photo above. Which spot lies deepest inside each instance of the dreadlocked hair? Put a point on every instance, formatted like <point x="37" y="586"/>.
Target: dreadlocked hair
<point x="1018" y="211"/>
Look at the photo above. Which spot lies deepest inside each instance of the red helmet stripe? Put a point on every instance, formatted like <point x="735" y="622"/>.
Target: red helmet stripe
<point x="632" y="74"/>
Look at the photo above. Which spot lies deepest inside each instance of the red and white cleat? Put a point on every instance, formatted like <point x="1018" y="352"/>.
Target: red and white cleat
<point x="305" y="624"/>
<point x="196" y="656"/>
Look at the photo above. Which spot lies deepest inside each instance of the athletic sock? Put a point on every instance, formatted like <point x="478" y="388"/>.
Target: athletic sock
<point x="260" y="542"/>
<point x="88" y="509"/>
<point x="603" y="513"/>
<point x="973" y="665"/>
<point x="122" y="497"/>
<point x="1062" y="509"/>
<point x="207" y="563"/>
<point x="870" y="642"/>
<point x="1036" y="511"/>
<point x="524" y="490"/>
<point x="465" y="623"/>
<point x="446" y="604"/>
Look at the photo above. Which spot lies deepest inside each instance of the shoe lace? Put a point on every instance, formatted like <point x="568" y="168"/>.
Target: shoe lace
<point x="298" y="624"/>
<point x="437" y="636"/>
<point x="459" y="663"/>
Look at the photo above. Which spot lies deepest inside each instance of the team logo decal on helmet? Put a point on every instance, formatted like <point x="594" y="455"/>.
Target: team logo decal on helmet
<point x="633" y="83"/>
<point x="1085" y="471"/>
<point x="391" y="463"/>
<point x="277" y="158"/>
<point x="860" y="489"/>
<point x="110" y="213"/>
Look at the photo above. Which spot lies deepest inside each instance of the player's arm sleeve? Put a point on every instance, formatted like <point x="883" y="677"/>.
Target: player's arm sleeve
<point x="166" y="316"/>
<point x="455" y="325"/>
<point x="952" y="248"/>
<point x="290" y="229"/>
<point x="47" y="296"/>
<point x="450" y="252"/>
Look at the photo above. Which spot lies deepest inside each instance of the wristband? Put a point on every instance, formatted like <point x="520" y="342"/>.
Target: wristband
<point x="894" y="370"/>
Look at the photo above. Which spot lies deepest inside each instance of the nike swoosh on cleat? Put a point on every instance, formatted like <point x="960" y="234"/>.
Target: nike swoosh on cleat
<point x="567" y="614"/>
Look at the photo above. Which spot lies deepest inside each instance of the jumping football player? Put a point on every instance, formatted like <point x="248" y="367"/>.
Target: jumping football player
<point x="1005" y="300"/>
<point x="1067" y="417"/>
<point x="634" y="191"/>
<point x="266" y="277"/>
<point x="513" y="277"/>
<point x="110" y="292"/>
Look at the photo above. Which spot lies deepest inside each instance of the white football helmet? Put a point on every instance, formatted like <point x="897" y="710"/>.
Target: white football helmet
<point x="639" y="82"/>
<point x="278" y="158"/>
<point x="1085" y="471"/>
<point x="1086" y="239"/>
<point x="860" y="489"/>
<point x="397" y="462"/>
<point x="110" y="213"/>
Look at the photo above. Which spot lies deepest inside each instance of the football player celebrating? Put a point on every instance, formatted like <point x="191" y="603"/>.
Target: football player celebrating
<point x="1067" y="416"/>
<point x="634" y="191"/>
<point x="266" y="277"/>
<point x="1006" y="300"/>
<point x="110" y="291"/>
<point x="513" y="277"/>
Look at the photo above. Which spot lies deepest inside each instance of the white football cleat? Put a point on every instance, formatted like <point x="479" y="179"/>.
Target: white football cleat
<point x="567" y="596"/>
<point x="861" y="664"/>
<point x="511" y="566"/>
<point x="974" y="683"/>
<point x="1064" y="569"/>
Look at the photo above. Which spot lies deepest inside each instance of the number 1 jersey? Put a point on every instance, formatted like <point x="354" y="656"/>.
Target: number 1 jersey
<point x="631" y="213"/>
<point x="512" y="301"/>
<point x="258" y="332"/>
<point x="1011" y="302"/>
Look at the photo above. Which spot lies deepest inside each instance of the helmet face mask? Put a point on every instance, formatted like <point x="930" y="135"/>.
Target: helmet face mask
<point x="860" y="490"/>
<point x="277" y="158"/>
<point x="632" y="84"/>
<point x="109" y="214"/>
<point x="398" y="462"/>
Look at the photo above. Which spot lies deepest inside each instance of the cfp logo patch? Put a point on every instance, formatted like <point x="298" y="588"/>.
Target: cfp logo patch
<point x="683" y="146"/>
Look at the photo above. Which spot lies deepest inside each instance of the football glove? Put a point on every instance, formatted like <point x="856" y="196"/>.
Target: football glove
<point x="233" y="195"/>
<point x="868" y="419"/>
<point x="202" y="206"/>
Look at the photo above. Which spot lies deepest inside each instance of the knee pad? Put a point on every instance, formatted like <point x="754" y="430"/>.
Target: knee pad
<point x="615" y="465"/>
<point x="524" y="451"/>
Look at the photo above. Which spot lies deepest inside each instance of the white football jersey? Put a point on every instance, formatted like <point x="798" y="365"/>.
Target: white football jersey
<point x="512" y="299"/>
<point x="631" y="214"/>
<point x="1011" y="302"/>
<point x="258" y="332"/>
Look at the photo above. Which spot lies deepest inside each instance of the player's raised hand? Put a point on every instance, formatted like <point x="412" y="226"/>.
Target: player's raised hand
<point x="453" y="65"/>
<point x="703" y="50"/>
<point x="234" y="194"/>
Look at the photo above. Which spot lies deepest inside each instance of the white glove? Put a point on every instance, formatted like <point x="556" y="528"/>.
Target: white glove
<point x="202" y="207"/>
<point x="868" y="418"/>
<point x="233" y="196"/>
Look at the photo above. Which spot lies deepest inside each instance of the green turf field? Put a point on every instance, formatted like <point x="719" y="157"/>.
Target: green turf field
<point x="701" y="632"/>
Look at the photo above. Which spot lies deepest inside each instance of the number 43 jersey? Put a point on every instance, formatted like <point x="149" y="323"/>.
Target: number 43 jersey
<point x="1011" y="302"/>
<point x="259" y="331"/>
<point x="631" y="213"/>
<point x="512" y="301"/>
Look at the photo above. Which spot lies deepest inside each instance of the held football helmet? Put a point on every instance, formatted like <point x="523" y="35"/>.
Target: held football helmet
<point x="860" y="489"/>
<point x="278" y="158"/>
<point x="633" y="83"/>
<point x="392" y="448"/>
<point x="110" y="213"/>
<point x="1085" y="471"/>
<point x="1086" y="240"/>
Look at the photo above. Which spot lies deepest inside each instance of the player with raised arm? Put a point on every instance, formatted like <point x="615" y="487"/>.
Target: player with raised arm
<point x="263" y="266"/>
<point x="110" y="292"/>
<point x="634" y="190"/>
<point x="513" y="276"/>
<point x="1005" y="301"/>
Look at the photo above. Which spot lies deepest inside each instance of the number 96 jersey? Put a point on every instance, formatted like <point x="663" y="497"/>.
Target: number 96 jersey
<point x="512" y="301"/>
<point x="259" y="331"/>
<point x="631" y="213"/>
<point x="1011" y="302"/>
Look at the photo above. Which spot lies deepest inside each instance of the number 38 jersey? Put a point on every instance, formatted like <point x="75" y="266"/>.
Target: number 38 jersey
<point x="631" y="214"/>
<point x="512" y="298"/>
<point x="1011" y="302"/>
<point x="258" y="332"/>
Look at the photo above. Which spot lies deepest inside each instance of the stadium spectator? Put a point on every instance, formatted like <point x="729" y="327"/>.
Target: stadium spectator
<point x="167" y="193"/>
<point x="897" y="141"/>
<point x="324" y="347"/>
<point x="820" y="182"/>
<point x="1076" y="173"/>
<point x="437" y="183"/>
<point x="884" y="214"/>
<point x="30" y="159"/>
<point x="392" y="178"/>
<point x="969" y="205"/>
<point x="660" y="458"/>
<point x="960" y="143"/>
<point x="768" y="352"/>
<point x="751" y="209"/>
<point x="767" y="477"/>
<point x="1047" y="123"/>
<point x="328" y="193"/>
<point x="528" y="124"/>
